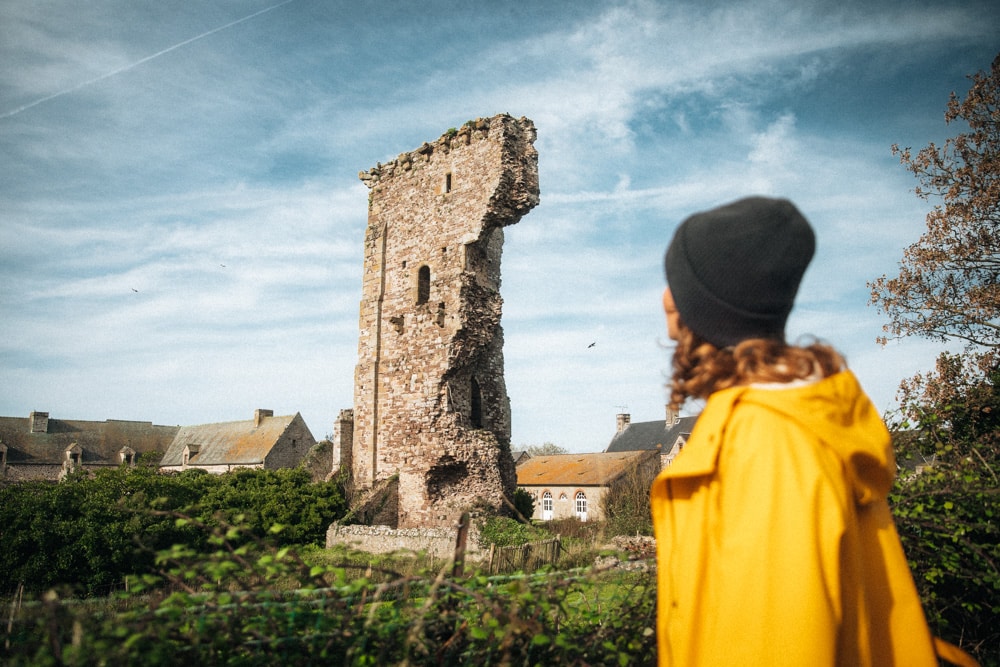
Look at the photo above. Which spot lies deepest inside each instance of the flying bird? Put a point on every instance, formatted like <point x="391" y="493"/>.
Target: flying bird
<point x="135" y="290"/>
<point x="592" y="345"/>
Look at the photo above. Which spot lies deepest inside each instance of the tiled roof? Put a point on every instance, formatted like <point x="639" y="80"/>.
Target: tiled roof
<point x="650" y="435"/>
<point x="237" y="443"/>
<point x="577" y="469"/>
<point x="100" y="440"/>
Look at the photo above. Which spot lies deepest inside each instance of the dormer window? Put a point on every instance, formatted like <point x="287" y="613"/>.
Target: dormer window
<point x="74" y="457"/>
<point x="190" y="451"/>
<point x="126" y="456"/>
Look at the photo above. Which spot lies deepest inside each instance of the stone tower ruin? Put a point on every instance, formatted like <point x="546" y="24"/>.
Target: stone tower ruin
<point x="430" y="403"/>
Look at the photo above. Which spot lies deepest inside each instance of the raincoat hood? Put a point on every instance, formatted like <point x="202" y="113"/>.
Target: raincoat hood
<point x="836" y="410"/>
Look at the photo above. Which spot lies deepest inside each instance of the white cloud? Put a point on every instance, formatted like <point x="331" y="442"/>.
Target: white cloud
<point x="243" y="150"/>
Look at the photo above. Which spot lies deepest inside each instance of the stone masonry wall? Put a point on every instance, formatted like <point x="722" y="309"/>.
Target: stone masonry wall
<point x="291" y="447"/>
<point x="343" y="439"/>
<point x="438" y="542"/>
<point x="430" y="402"/>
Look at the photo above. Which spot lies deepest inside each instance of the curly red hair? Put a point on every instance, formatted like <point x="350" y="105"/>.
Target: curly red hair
<point x="701" y="369"/>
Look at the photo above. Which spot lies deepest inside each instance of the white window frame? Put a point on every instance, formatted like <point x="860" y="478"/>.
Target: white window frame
<point x="581" y="505"/>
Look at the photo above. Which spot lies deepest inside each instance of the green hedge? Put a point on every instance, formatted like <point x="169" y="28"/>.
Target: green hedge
<point x="92" y="530"/>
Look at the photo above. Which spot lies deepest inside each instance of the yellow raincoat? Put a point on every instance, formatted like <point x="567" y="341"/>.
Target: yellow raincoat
<point x="775" y="545"/>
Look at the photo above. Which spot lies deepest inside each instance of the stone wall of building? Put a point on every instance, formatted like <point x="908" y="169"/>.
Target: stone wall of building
<point x="291" y="447"/>
<point x="430" y="402"/>
<point x="437" y="542"/>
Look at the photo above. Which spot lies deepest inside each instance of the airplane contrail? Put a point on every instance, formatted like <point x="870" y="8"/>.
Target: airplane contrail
<point x="78" y="86"/>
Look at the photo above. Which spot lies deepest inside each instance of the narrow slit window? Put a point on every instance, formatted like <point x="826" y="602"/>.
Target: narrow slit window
<point x="476" y="414"/>
<point x="447" y="182"/>
<point x="423" y="284"/>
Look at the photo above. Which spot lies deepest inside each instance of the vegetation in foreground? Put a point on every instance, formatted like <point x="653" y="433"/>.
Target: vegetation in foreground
<point x="252" y="603"/>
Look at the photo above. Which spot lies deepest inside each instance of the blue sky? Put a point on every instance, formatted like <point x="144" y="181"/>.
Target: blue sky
<point x="181" y="220"/>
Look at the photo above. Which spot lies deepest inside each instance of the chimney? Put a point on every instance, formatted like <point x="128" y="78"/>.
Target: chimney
<point x="343" y="440"/>
<point x="259" y="414"/>
<point x="39" y="422"/>
<point x="623" y="420"/>
<point x="672" y="417"/>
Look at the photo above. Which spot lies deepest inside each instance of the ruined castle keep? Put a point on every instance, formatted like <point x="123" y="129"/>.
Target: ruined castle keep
<point x="430" y="402"/>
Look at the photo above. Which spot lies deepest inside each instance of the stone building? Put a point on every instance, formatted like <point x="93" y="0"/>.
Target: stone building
<point x="40" y="447"/>
<point x="265" y="441"/>
<point x="668" y="436"/>
<point x="431" y="417"/>
<point x="565" y="486"/>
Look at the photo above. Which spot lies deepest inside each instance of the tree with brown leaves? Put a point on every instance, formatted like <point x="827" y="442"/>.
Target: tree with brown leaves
<point x="948" y="287"/>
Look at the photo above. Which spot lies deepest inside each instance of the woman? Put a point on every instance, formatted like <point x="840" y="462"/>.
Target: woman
<point x="774" y="538"/>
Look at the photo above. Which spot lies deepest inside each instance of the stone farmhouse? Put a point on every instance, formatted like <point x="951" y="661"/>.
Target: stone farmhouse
<point x="429" y="432"/>
<point x="666" y="436"/>
<point x="42" y="448"/>
<point x="573" y="485"/>
<point x="265" y="441"/>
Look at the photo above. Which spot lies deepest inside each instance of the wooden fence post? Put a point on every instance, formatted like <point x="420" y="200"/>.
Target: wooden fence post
<point x="460" y="540"/>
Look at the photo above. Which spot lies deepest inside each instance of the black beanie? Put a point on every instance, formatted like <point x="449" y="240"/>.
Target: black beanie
<point x="734" y="270"/>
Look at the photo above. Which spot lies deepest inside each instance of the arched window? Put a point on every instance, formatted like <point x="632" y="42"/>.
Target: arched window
<point x="476" y="398"/>
<point x="581" y="505"/>
<point x="423" y="284"/>
<point x="546" y="506"/>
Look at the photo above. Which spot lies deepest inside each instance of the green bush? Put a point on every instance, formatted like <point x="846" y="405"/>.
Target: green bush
<point x="524" y="504"/>
<point x="92" y="530"/>
<point x="506" y="532"/>
<point x="88" y="532"/>
<point x="948" y="513"/>
<point x="264" y="498"/>
<point x="626" y="505"/>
